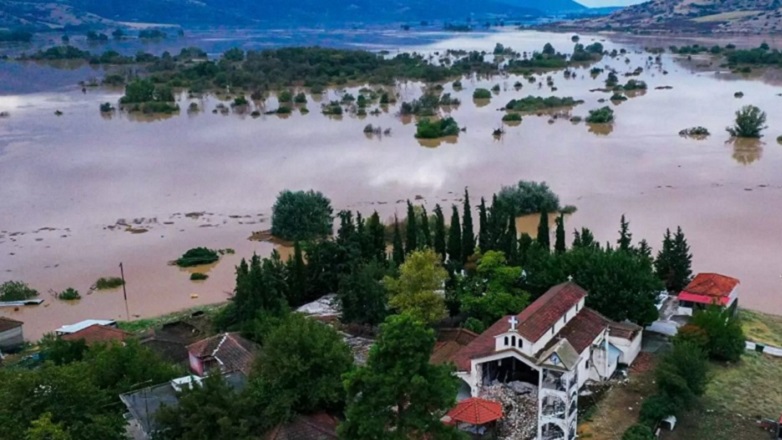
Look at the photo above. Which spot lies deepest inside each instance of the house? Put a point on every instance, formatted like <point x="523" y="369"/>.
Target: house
<point x="73" y="328"/>
<point x="319" y="426"/>
<point x="226" y="352"/>
<point x="11" y="335"/>
<point x="97" y="334"/>
<point x="170" y="341"/>
<point x="707" y="289"/>
<point x="551" y="349"/>
<point x="144" y="404"/>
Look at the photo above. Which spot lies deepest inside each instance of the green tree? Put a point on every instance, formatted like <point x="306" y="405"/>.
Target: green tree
<point x="439" y="232"/>
<point x="301" y="215"/>
<point x="44" y="429"/>
<point x="528" y="198"/>
<point x="120" y="367"/>
<point x="559" y="244"/>
<point x="584" y="239"/>
<point x="682" y="374"/>
<point x="16" y="291"/>
<point x="259" y="289"/>
<point x="211" y="411"/>
<point x="544" y="239"/>
<point x="398" y="249"/>
<point x="495" y="291"/>
<point x="297" y="277"/>
<point x="511" y="247"/>
<point x="454" y="237"/>
<point x="362" y="297"/>
<point x="625" y="237"/>
<point x="417" y="291"/>
<point x="426" y="233"/>
<point x="674" y="261"/>
<point x="483" y="227"/>
<point x="750" y="123"/>
<point x="725" y="339"/>
<point x="468" y="233"/>
<point x="411" y="243"/>
<point x="299" y="369"/>
<point x="399" y="394"/>
<point x="377" y="238"/>
<point x="638" y="432"/>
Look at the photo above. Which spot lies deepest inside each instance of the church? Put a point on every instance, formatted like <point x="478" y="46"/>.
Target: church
<point x="554" y="347"/>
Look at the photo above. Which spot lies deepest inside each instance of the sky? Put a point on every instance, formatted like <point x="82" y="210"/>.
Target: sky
<point x="599" y="3"/>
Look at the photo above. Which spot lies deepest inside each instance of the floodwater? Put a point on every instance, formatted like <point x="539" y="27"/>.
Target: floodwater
<point x="71" y="184"/>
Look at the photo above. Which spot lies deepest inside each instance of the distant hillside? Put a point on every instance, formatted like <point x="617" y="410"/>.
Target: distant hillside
<point x="548" y="6"/>
<point x="56" y="13"/>
<point x="690" y="16"/>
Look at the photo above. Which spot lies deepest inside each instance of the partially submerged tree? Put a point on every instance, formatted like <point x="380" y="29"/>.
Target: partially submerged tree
<point x="301" y="215"/>
<point x="750" y="123"/>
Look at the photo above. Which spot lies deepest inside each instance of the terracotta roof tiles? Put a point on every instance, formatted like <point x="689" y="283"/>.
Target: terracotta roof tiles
<point x="233" y="352"/>
<point x="96" y="334"/>
<point x="712" y="285"/>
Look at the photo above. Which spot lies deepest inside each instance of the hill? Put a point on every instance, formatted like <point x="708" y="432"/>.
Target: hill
<point x="548" y="6"/>
<point x="85" y="13"/>
<point x="690" y="16"/>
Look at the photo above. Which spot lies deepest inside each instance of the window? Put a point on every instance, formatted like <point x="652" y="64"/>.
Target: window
<point x="587" y="364"/>
<point x="552" y="330"/>
<point x="506" y="341"/>
<point x="577" y="304"/>
<point x="513" y="341"/>
<point x="520" y="343"/>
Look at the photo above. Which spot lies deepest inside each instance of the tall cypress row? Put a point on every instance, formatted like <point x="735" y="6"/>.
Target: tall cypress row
<point x="544" y="240"/>
<point x="559" y="244"/>
<point x="426" y="234"/>
<point x="411" y="243"/>
<point x="377" y="237"/>
<point x="483" y="227"/>
<point x="439" y="232"/>
<point x="398" y="253"/>
<point x="512" y="243"/>
<point x="468" y="233"/>
<point x="455" y="237"/>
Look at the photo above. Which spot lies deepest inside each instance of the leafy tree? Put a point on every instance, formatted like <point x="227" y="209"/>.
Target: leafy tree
<point x="301" y="215"/>
<point x="426" y="233"/>
<point x="602" y="115"/>
<point x="197" y="256"/>
<point x="559" y="244"/>
<point x="439" y="232"/>
<point x="528" y="198"/>
<point x="346" y="233"/>
<point x="495" y="291"/>
<point x="411" y="244"/>
<point x="480" y="93"/>
<point x="121" y="367"/>
<point x="43" y="428"/>
<point x="638" y="432"/>
<point x="211" y="411"/>
<point x="398" y="250"/>
<point x="16" y="291"/>
<point x="625" y="237"/>
<point x="724" y="337"/>
<point x="417" y="290"/>
<point x="362" y="297"/>
<point x="327" y="262"/>
<point x="544" y="239"/>
<point x="455" y="237"/>
<point x="750" y="123"/>
<point x="300" y="369"/>
<point x="656" y="408"/>
<point x="259" y="289"/>
<point x="644" y="250"/>
<point x="399" y="394"/>
<point x="674" y="261"/>
<point x="682" y="374"/>
<point x="468" y="233"/>
<point x="428" y="129"/>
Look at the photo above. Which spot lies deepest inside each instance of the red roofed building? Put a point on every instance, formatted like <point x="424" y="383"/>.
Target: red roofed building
<point x="707" y="289"/>
<point x="555" y="346"/>
<point x="225" y="353"/>
<point x="97" y="334"/>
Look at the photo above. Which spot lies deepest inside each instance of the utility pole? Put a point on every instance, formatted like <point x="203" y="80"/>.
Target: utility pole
<point x="124" y="291"/>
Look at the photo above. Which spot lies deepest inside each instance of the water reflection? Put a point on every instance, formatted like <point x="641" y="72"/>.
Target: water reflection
<point x="746" y="150"/>
<point x="434" y="143"/>
<point x="600" y="129"/>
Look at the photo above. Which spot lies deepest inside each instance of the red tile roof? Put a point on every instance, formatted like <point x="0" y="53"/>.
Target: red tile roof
<point x="583" y="329"/>
<point x="534" y="321"/>
<point x="96" y="334"/>
<point x="541" y="315"/>
<point x="449" y="342"/>
<point x="710" y="287"/>
<point x="9" y="324"/>
<point x="476" y="411"/>
<point x="624" y="330"/>
<point x="233" y="352"/>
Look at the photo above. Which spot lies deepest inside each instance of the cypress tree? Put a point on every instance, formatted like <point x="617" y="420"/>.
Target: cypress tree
<point x="377" y="237"/>
<point x="455" y="237"/>
<point x="662" y="264"/>
<point x="625" y="237"/>
<point x="426" y="234"/>
<point x="544" y="240"/>
<point x="411" y="244"/>
<point x="346" y="227"/>
<point x="584" y="239"/>
<point x="525" y="243"/>
<point x="468" y="233"/>
<point x="559" y="244"/>
<point x="297" y="277"/>
<point x="398" y="253"/>
<point x="483" y="227"/>
<point x="644" y="250"/>
<point x="511" y="247"/>
<point x="682" y="263"/>
<point x="439" y="232"/>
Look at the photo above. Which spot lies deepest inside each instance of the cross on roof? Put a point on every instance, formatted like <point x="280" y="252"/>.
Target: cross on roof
<point x="513" y="322"/>
<point x="570" y="277"/>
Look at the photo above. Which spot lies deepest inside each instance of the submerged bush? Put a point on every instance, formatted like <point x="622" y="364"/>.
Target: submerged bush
<point x="511" y="117"/>
<point x="427" y="129"/>
<point x="537" y="103"/>
<point x="695" y="132"/>
<point x="106" y="283"/>
<point x="197" y="276"/>
<point x="69" y="294"/>
<point x="16" y="291"/>
<point x="197" y="256"/>
<point x="750" y="122"/>
<point x="481" y="94"/>
<point x="528" y="197"/>
<point x="601" y="115"/>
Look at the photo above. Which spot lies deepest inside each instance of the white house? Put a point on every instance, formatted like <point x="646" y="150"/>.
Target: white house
<point x="11" y="335"/>
<point x="556" y="345"/>
<point x="707" y="289"/>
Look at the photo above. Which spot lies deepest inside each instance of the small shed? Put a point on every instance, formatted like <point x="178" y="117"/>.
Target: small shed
<point x="474" y="415"/>
<point x="11" y="335"/>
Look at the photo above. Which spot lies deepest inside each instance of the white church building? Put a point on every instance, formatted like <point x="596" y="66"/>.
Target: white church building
<point x="557" y="345"/>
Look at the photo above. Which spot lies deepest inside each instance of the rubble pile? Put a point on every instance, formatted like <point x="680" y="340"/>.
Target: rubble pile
<point x="520" y="408"/>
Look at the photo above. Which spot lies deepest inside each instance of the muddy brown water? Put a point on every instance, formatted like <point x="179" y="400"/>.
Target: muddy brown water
<point x="80" y="173"/>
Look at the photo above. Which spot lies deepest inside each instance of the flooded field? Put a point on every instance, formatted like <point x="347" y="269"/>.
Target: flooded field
<point x="82" y="192"/>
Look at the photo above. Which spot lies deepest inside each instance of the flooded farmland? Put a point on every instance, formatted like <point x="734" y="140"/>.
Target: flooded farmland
<point x="83" y="192"/>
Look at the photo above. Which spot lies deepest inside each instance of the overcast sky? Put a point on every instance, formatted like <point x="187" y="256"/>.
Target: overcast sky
<point x="593" y="3"/>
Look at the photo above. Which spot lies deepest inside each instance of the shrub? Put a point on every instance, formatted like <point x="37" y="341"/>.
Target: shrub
<point x="428" y="129"/>
<point x="638" y="432"/>
<point x="682" y="374"/>
<point x="301" y="215"/>
<point x="750" y="122"/>
<point x="285" y="96"/>
<point x="106" y="107"/>
<point x="496" y="88"/>
<point x="511" y="117"/>
<point x="528" y="197"/>
<point x="695" y="132"/>
<point x="106" y="283"/>
<point x="240" y="101"/>
<point x="300" y="98"/>
<point x="602" y="115"/>
<point x="724" y="337"/>
<point x="197" y="256"/>
<point x="474" y="325"/>
<point x="16" y="291"/>
<point x="69" y="294"/>
<point x="536" y="103"/>
<point x="618" y="97"/>
<point x="481" y="94"/>
<point x="198" y="276"/>
<point x="457" y="85"/>
<point x="656" y="408"/>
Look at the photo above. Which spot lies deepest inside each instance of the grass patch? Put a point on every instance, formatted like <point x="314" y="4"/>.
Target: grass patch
<point x="197" y="276"/>
<point x="761" y="327"/>
<point x="751" y="387"/>
<point x="106" y="283"/>
<point x="142" y="325"/>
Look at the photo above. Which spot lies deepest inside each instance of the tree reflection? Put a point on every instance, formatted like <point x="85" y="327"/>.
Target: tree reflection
<point x="601" y="129"/>
<point x="434" y="143"/>
<point x="746" y="150"/>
